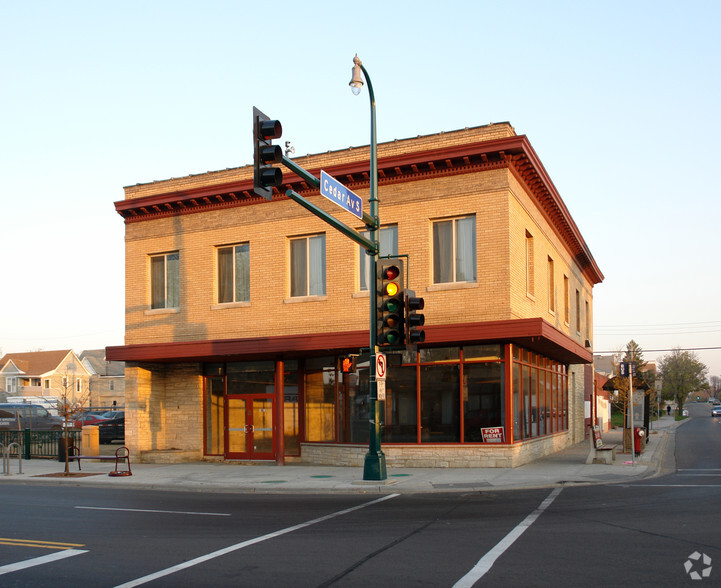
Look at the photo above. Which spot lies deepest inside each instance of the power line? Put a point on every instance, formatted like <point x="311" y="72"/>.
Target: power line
<point x="660" y="350"/>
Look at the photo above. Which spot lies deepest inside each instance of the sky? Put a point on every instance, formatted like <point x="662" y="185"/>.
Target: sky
<point x="620" y="100"/>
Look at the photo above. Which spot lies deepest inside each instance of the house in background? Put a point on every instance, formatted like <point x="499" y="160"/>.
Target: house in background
<point x="44" y="373"/>
<point x="107" y="379"/>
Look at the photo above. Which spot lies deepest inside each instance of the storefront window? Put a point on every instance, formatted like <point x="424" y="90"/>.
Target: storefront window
<point x="401" y="406"/>
<point x="354" y="408"/>
<point x="483" y="399"/>
<point x="320" y="399"/>
<point x="440" y="403"/>
<point x="214" y="407"/>
<point x="291" y="416"/>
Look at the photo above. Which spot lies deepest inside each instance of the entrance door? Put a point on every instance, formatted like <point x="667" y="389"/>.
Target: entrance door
<point x="249" y="419"/>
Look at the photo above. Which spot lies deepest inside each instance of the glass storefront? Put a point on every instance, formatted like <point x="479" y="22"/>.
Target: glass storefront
<point x="438" y="395"/>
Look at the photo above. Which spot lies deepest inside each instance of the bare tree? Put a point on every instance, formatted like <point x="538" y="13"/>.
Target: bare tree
<point x="70" y="407"/>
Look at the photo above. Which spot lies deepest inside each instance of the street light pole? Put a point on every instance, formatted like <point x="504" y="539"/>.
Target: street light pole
<point x="374" y="467"/>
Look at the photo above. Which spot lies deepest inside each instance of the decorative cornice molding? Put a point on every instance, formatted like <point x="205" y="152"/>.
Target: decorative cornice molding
<point x="513" y="153"/>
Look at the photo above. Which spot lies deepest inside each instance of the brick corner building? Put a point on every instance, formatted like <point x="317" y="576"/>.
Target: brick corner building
<point x="238" y="311"/>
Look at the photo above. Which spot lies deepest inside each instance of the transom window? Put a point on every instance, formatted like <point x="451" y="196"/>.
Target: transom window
<point x="307" y="266"/>
<point x="164" y="280"/>
<point x="454" y="250"/>
<point x="234" y="273"/>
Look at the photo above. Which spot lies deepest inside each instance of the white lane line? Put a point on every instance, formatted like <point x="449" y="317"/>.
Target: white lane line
<point x="669" y="486"/>
<point x="487" y="561"/>
<point x="207" y="514"/>
<point x="248" y="543"/>
<point x="38" y="561"/>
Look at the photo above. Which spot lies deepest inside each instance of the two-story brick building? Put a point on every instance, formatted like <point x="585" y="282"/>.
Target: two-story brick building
<point x="238" y="310"/>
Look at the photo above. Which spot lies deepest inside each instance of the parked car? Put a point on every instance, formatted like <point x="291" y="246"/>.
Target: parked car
<point x="716" y="410"/>
<point x="113" y="414"/>
<point x="88" y="419"/>
<point x="111" y="430"/>
<point x="18" y="416"/>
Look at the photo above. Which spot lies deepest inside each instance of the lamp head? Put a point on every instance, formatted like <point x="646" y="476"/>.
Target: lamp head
<point x="356" y="82"/>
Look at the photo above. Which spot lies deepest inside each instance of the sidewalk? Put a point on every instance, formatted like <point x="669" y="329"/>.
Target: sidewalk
<point x="567" y="467"/>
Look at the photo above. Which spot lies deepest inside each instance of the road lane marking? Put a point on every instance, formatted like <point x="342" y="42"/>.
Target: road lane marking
<point x="248" y="543"/>
<point x="487" y="561"/>
<point x="207" y="514"/>
<point x="38" y="561"/>
<point x="35" y="543"/>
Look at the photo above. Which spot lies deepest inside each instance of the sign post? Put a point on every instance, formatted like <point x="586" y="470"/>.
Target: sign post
<point x="381" y="369"/>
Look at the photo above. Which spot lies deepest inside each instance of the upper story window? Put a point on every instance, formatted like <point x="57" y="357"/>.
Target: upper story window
<point x="454" y="250"/>
<point x="234" y="273"/>
<point x="551" y="287"/>
<point x="530" y="266"/>
<point x="578" y="312"/>
<point x="388" y="241"/>
<point x="566" y="300"/>
<point x="307" y="266"/>
<point x="165" y="280"/>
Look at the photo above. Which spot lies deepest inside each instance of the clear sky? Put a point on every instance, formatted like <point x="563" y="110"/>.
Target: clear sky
<point x="620" y="100"/>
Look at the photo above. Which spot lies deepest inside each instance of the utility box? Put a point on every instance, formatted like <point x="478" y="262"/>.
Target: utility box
<point x="90" y="441"/>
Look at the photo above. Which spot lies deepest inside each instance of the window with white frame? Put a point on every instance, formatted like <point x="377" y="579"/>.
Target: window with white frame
<point x="454" y="250"/>
<point x="388" y="245"/>
<point x="307" y="266"/>
<point x="165" y="280"/>
<point x="234" y="273"/>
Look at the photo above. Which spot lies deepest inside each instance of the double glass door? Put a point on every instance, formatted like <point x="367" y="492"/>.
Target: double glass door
<point x="249" y="426"/>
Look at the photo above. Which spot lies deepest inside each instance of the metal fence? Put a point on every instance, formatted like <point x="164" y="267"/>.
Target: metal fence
<point x="39" y="444"/>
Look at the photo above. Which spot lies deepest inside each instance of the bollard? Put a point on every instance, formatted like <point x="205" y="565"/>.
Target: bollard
<point x="20" y="457"/>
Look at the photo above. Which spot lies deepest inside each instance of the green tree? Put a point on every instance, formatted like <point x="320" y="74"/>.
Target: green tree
<point x="682" y="373"/>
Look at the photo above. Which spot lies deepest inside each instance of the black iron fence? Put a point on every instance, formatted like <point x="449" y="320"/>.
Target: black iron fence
<point x="39" y="444"/>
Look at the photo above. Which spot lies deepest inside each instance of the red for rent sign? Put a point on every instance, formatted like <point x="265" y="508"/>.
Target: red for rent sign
<point x="492" y="434"/>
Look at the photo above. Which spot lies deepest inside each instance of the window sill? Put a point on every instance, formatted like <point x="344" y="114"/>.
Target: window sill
<point x="360" y="294"/>
<point x="305" y="299"/>
<point x="154" y="311"/>
<point x="451" y="286"/>
<point x="222" y="305"/>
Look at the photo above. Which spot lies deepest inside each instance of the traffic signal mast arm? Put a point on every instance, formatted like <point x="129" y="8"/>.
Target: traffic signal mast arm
<point x="367" y="244"/>
<point x="315" y="182"/>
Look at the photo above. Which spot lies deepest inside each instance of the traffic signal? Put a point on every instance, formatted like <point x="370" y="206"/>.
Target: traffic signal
<point x="265" y="176"/>
<point x="414" y="319"/>
<point x="389" y="285"/>
<point x="348" y="364"/>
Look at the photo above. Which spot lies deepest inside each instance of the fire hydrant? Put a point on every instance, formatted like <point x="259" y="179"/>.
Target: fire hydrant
<point x="638" y="434"/>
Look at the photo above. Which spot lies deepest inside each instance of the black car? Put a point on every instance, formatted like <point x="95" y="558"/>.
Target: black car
<point x="112" y="430"/>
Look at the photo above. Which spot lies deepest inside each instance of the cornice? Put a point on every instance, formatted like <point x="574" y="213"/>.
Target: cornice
<point x="513" y="153"/>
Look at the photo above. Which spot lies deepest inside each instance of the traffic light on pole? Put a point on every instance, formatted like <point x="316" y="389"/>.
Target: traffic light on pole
<point x="389" y="285"/>
<point x="265" y="176"/>
<point x="413" y="319"/>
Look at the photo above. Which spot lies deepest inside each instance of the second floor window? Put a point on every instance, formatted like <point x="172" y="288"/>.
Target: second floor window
<point x="307" y="266"/>
<point x="454" y="250"/>
<point x="234" y="273"/>
<point x="165" y="280"/>
<point x="388" y="241"/>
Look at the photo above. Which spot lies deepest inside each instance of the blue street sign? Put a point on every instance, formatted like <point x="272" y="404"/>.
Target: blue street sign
<point x="333" y="190"/>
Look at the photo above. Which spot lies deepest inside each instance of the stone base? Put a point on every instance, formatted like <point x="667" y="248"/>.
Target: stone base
<point x="439" y="456"/>
<point x="169" y="456"/>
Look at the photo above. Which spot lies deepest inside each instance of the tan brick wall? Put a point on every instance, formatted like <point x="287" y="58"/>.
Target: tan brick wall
<point x="503" y="213"/>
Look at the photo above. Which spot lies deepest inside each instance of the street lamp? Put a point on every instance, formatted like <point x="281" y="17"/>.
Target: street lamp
<point x="374" y="467"/>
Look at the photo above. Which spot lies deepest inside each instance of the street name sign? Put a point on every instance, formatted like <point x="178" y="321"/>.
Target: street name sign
<point x="333" y="190"/>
